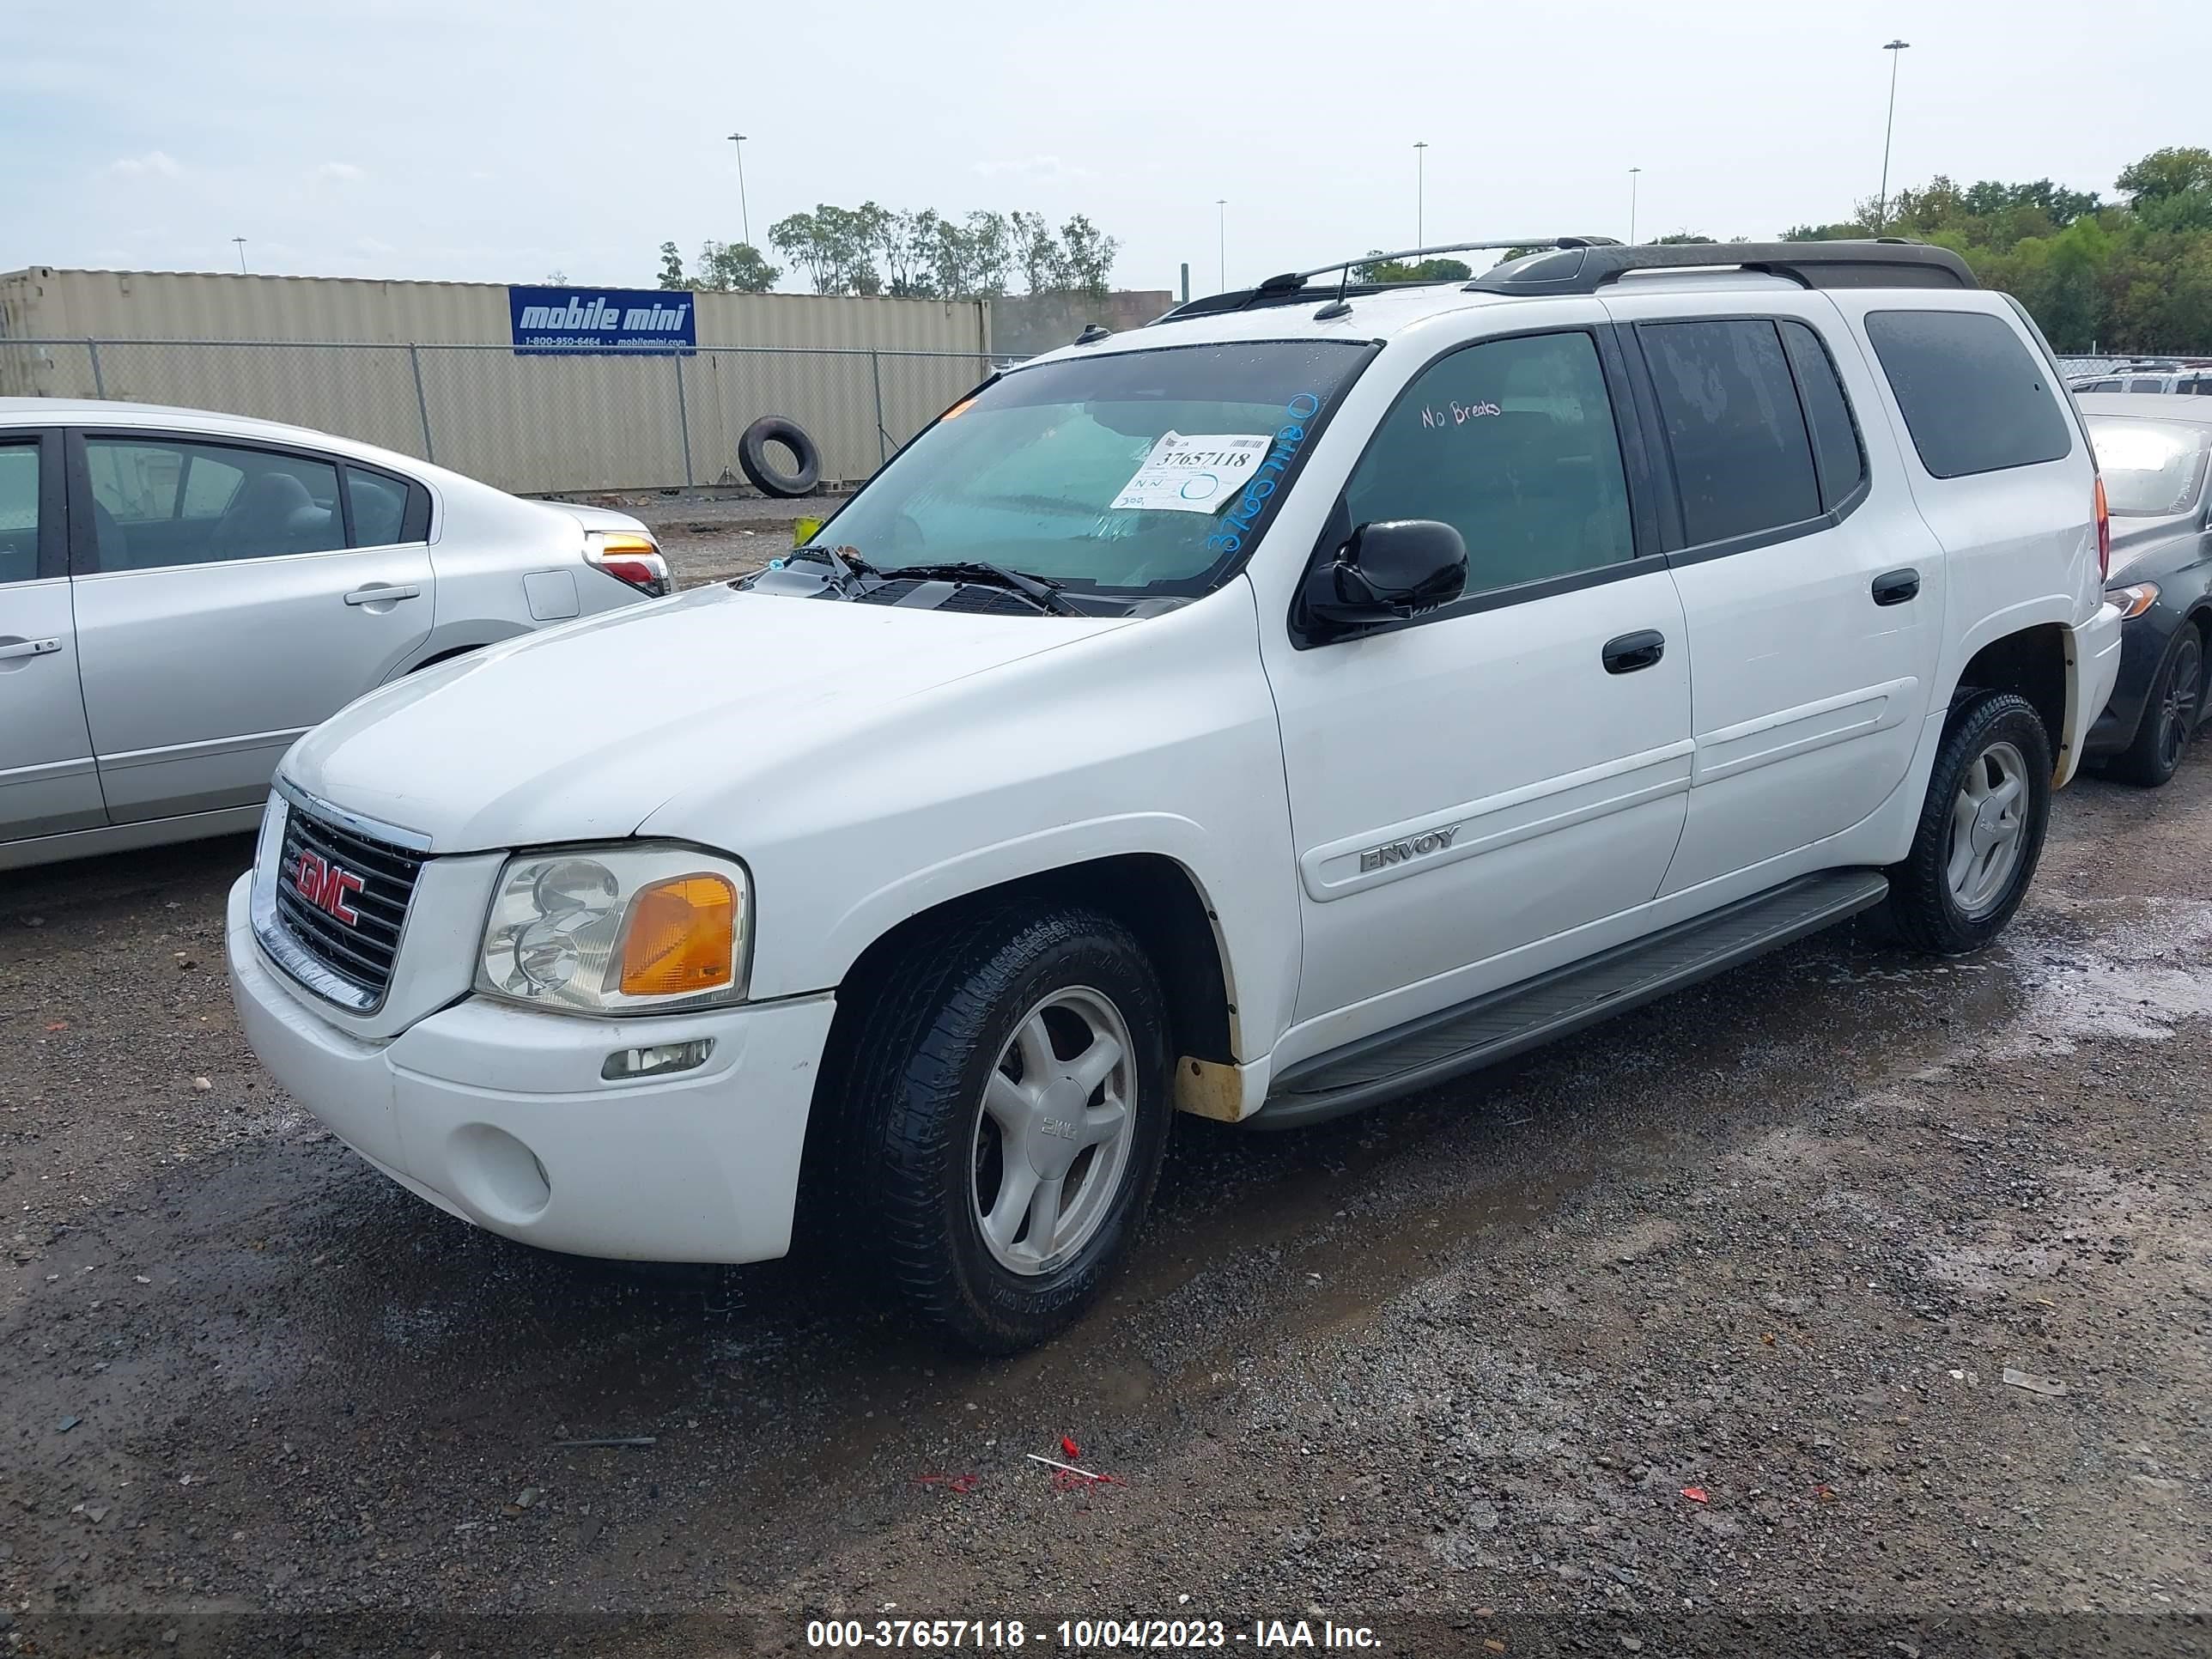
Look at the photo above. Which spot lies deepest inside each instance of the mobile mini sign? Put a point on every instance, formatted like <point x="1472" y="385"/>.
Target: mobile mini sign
<point x="557" y="320"/>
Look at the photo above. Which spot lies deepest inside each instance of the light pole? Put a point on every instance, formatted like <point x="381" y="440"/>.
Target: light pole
<point x="745" y="213"/>
<point x="1221" y="230"/>
<point x="1632" y="172"/>
<point x="1882" y="202"/>
<point x="1420" y="191"/>
<point x="241" y="242"/>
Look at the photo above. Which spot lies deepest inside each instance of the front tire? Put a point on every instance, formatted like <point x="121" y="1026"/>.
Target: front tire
<point x="2170" y="714"/>
<point x="1007" y="1103"/>
<point x="1981" y="828"/>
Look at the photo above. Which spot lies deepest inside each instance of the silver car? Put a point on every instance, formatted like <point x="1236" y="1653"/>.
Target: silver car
<point x="183" y="593"/>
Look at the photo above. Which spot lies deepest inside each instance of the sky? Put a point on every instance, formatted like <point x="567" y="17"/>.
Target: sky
<point x="507" y="140"/>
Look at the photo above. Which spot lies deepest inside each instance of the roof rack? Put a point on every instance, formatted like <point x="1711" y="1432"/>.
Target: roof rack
<point x="1290" y="286"/>
<point x="1875" y="262"/>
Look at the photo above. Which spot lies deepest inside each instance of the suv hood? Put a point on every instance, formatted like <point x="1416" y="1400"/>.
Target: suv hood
<point x="580" y="733"/>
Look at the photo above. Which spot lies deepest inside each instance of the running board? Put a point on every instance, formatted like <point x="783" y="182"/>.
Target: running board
<point x="1511" y="1021"/>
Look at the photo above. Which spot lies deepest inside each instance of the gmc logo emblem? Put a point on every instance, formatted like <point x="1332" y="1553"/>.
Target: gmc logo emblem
<point x="325" y="885"/>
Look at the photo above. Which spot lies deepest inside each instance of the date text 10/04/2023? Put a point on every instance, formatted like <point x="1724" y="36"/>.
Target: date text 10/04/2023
<point x="1091" y="1635"/>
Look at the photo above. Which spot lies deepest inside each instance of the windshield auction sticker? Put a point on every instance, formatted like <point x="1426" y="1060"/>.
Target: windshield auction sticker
<point x="1193" y="474"/>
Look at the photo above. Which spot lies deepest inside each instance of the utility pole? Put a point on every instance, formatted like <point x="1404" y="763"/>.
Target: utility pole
<point x="1420" y="192"/>
<point x="240" y="242"/>
<point x="1632" y="172"/>
<point x="745" y="213"/>
<point x="1221" y="228"/>
<point x="1882" y="201"/>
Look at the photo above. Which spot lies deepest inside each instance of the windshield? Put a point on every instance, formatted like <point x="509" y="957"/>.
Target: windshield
<point x="1135" y="472"/>
<point x="2152" y="469"/>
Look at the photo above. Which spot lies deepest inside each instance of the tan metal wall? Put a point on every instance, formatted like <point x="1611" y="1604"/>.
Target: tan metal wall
<point x="44" y="303"/>
<point x="534" y="424"/>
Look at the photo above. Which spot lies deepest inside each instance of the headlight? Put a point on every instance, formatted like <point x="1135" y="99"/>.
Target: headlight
<point x="2134" y="599"/>
<point x="637" y="927"/>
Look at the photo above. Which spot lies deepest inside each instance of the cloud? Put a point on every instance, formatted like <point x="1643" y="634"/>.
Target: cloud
<point x="341" y="173"/>
<point x="154" y="164"/>
<point x="1046" y="169"/>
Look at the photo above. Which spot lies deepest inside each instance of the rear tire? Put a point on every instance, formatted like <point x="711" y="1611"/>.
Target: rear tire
<point x="2170" y="714"/>
<point x="1005" y="1105"/>
<point x="1981" y="828"/>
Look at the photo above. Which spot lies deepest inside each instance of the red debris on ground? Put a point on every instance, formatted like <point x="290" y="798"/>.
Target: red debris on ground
<point x="1074" y="1451"/>
<point x="1696" y="1494"/>
<point x="1078" y="1481"/>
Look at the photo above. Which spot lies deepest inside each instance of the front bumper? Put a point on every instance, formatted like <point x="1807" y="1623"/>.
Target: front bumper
<point x="2098" y="645"/>
<point x="2143" y="642"/>
<point x="499" y="1115"/>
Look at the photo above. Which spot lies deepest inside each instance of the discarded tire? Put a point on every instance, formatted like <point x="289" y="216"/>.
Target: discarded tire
<point x="769" y="479"/>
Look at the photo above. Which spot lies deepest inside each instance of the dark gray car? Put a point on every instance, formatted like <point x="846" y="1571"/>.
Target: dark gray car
<point x="2152" y="450"/>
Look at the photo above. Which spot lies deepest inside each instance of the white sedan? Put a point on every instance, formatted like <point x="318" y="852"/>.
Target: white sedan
<point x="183" y="593"/>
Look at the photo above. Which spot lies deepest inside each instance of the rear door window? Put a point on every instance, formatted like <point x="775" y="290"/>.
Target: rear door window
<point x="1743" y="456"/>
<point x="162" y="501"/>
<point x="19" y="511"/>
<point x="1837" y="455"/>
<point x="379" y="508"/>
<point x="1973" y="396"/>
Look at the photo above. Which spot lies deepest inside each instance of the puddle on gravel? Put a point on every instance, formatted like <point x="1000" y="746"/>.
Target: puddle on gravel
<point x="2131" y="969"/>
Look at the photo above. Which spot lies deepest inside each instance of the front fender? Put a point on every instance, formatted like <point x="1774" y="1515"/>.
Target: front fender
<point x="1182" y="841"/>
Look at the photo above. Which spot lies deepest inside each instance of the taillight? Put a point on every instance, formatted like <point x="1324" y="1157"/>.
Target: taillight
<point x="628" y="557"/>
<point x="2104" y="534"/>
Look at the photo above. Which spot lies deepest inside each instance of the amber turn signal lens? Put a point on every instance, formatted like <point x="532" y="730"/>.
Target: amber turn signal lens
<point x="2133" y="600"/>
<point x="681" y="937"/>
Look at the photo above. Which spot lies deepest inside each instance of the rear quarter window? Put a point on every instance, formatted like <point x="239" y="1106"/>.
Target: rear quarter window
<point x="1974" y="396"/>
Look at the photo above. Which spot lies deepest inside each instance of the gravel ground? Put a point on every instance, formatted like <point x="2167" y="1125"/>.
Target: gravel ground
<point x="1692" y="1333"/>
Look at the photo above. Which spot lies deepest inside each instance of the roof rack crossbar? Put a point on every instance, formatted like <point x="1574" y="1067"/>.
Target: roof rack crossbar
<point x="1290" y="286"/>
<point x="1297" y="279"/>
<point x="1872" y="262"/>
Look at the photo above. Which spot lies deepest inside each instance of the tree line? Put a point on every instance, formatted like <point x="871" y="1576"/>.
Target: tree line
<point x="872" y="249"/>
<point x="2127" y="277"/>
<point x="2131" y="274"/>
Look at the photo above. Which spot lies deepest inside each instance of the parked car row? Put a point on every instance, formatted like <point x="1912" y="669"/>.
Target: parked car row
<point x="182" y="594"/>
<point x="2155" y="378"/>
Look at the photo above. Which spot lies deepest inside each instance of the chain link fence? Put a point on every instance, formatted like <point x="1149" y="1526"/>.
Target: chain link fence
<point x="538" y="422"/>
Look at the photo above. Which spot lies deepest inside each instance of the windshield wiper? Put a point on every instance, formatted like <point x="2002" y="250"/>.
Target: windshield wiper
<point x="1041" y="591"/>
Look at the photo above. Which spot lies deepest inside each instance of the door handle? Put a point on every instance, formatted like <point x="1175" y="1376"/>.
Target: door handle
<point x="383" y="593"/>
<point x="1630" y="652"/>
<point x="30" y="648"/>
<point x="1896" y="586"/>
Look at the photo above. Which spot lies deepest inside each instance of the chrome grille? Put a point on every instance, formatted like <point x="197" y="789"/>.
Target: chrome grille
<point x="314" y="912"/>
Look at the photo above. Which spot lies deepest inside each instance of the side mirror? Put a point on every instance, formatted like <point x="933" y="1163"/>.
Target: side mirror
<point x="1390" y="569"/>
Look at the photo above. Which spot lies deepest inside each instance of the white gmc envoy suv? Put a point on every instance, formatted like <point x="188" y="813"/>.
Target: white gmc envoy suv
<point x="1317" y="694"/>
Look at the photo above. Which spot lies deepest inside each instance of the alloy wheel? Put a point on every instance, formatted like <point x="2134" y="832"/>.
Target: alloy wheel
<point x="1988" y="821"/>
<point x="1053" y="1133"/>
